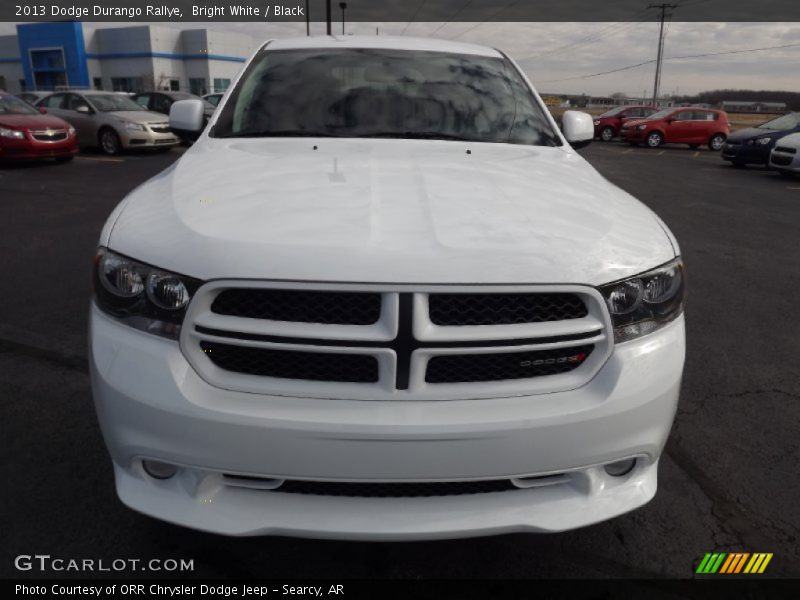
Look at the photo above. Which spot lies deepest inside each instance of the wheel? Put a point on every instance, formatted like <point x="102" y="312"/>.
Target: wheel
<point x="694" y="146"/>
<point x="716" y="142"/>
<point x="110" y="142"/>
<point x="607" y="134"/>
<point x="654" y="139"/>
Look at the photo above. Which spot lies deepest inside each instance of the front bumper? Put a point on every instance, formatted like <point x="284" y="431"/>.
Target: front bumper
<point x="785" y="160"/>
<point x="742" y="153"/>
<point x="152" y="404"/>
<point x="632" y="135"/>
<point x="147" y="139"/>
<point x="30" y="149"/>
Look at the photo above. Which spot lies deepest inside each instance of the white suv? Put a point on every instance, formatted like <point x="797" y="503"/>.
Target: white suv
<point x="382" y="297"/>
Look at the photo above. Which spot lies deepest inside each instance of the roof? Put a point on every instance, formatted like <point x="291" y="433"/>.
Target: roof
<point x="382" y="42"/>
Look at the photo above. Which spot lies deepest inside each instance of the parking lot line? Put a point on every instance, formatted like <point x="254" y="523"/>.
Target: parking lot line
<point x="628" y="151"/>
<point x="697" y="153"/>
<point x="99" y="159"/>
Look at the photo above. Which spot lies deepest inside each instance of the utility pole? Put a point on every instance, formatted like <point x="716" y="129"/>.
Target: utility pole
<point x="660" y="57"/>
<point x="328" y="16"/>
<point x="308" y="20"/>
<point x="342" y="5"/>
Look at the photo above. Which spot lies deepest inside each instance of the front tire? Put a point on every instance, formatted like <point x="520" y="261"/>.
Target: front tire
<point x="716" y="142"/>
<point x="109" y="141"/>
<point x="654" y="139"/>
<point x="607" y="134"/>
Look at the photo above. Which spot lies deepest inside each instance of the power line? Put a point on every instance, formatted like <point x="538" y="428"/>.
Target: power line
<point x="652" y="60"/>
<point x="487" y="19"/>
<point x="604" y="33"/>
<point x="451" y="19"/>
<point x="414" y="16"/>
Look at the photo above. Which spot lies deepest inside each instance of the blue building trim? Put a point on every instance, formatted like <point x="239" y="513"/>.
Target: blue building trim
<point x="66" y="37"/>
<point x="167" y="55"/>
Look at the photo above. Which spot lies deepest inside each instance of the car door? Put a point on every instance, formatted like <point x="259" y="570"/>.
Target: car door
<point x="161" y="103"/>
<point x="84" y="122"/>
<point x="53" y="105"/>
<point x="679" y="127"/>
<point x="142" y="100"/>
<point x="703" y="126"/>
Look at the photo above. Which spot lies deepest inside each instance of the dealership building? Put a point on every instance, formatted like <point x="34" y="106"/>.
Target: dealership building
<point x="50" y="56"/>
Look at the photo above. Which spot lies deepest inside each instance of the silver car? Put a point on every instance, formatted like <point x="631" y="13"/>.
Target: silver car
<point x="111" y="121"/>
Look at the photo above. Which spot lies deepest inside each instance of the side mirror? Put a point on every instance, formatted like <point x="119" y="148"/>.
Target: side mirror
<point x="83" y="109"/>
<point x="578" y="128"/>
<point x="186" y="118"/>
<point x="43" y="110"/>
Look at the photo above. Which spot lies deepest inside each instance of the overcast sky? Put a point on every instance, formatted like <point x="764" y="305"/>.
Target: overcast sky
<point x="550" y="52"/>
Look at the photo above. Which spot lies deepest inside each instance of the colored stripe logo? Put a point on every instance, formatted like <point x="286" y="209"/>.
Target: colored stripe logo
<point x="733" y="563"/>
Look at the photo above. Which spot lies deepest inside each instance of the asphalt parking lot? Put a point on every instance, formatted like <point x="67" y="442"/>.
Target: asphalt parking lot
<point x="728" y="479"/>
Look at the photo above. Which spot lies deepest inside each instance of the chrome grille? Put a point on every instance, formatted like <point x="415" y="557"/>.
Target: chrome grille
<point x="49" y="135"/>
<point x="160" y="128"/>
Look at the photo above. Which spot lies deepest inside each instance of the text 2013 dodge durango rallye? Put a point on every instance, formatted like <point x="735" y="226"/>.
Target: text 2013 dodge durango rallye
<point x="382" y="297"/>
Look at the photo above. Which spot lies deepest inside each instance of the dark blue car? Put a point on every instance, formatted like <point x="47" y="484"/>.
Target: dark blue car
<point x="753" y="145"/>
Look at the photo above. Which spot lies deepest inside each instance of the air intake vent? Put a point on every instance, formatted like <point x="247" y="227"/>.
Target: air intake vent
<point x="503" y="309"/>
<point x="333" y="308"/>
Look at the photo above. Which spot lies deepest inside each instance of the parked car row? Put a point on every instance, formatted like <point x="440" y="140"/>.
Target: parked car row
<point x="111" y="121"/>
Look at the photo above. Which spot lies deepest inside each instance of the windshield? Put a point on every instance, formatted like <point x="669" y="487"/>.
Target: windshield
<point x="384" y="93"/>
<point x="662" y="113"/>
<point x="11" y="105"/>
<point x="113" y="102"/>
<point x="789" y="121"/>
<point x="612" y="112"/>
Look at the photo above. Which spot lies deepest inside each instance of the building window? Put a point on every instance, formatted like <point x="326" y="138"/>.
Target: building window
<point x="197" y="86"/>
<point x="220" y="85"/>
<point x="97" y="82"/>
<point x="127" y="84"/>
<point x="174" y="85"/>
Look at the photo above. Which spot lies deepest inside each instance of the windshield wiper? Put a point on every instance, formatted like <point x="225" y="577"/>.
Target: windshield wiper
<point x="417" y="135"/>
<point x="278" y="133"/>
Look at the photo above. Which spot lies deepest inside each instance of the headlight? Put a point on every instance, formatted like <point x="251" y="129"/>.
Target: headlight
<point x="763" y="141"/>
<point x="12" y="134"/>
<point x="597" y="122"/>
<point x="133" y="126"/>
<point x="142" y="296"/>
<point x="71" y="131"/>
<point x="642" y="304"/>
<point x="641" y="127"/>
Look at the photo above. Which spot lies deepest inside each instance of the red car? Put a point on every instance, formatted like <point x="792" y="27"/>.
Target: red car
<point x="26" y="134"/>
<point x="607" y="125"/>
<point x="693" y="126"/>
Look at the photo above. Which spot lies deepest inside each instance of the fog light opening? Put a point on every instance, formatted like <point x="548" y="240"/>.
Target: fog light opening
<point x="621" y="467"/>
<point x="159" y="470"/>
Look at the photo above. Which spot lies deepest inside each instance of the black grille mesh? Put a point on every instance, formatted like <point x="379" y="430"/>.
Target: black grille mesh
<point x="394" y="489"/>
<point x="293" y="364"/>
<point x="339" y="308"/>
<point x="503" y="309"/>
<point x="459" y="368"/>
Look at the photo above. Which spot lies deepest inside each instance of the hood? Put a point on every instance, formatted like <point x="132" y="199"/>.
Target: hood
<point x="791" y="141"/>
<point x="751" y="132"/>
<point x="140" y="116"/>
<point x="38" y="121"/>
<point x="392" y="211"/>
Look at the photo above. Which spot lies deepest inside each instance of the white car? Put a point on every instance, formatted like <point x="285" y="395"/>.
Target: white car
<point x="785" y="156"/>
<point x="382" y="297"/>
